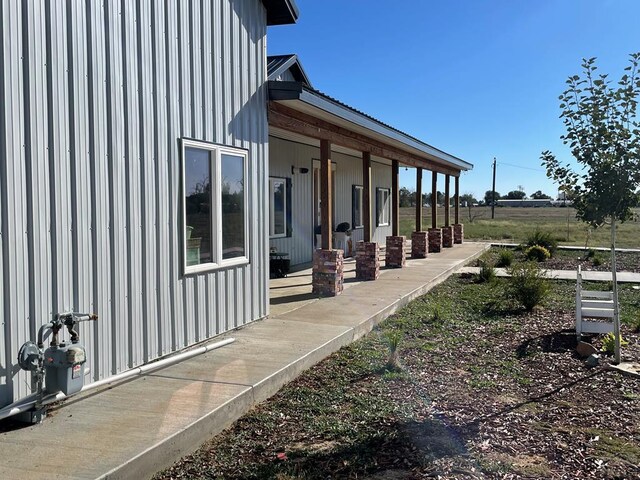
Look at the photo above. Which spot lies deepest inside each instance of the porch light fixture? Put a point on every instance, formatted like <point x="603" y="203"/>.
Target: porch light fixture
<point x="299" y="170"/>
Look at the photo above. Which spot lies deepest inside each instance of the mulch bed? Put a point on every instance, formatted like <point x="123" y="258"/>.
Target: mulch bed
<point x="485" y="390"/>
<point x="570" y="259"/>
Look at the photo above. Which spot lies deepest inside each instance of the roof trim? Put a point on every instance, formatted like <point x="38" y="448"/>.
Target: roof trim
<point x="281" y="12"/>
<point x="334" y="107"/>
<point x="291" y="62"/>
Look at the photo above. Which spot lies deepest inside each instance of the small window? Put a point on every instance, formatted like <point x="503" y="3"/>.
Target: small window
<point x="277" y="207"/>
<point x="358" y="214"/>
<point x="383" y="207"/>
<point x="214" y="202"/>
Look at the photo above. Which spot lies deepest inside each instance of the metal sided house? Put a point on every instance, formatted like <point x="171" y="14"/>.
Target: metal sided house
<point x="333" y="182"/>
<point x="133" y="174"/>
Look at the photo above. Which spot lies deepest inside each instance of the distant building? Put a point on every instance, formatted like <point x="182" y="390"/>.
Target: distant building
<point x="525" y="203"/>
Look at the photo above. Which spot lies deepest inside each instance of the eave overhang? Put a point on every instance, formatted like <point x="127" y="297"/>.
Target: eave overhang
<point x="281" y="12"/>
<point x="314" y="108"/>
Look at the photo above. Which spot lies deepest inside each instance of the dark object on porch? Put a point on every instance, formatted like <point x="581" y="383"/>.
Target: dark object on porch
<point x="343" y="227"/>
<point x="279" y="264"/>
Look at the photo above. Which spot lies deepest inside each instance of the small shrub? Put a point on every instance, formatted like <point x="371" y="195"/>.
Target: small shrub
<point x="436" y="316"/>
<point x="609" y="343"/>
<point x="544" y="239"/>
<point x="590" y="253"/>
<point x="505" y="258"/>
<point x="596" y="261"/>
<point x="528" y="284"/>
<point x="392" y="340"/>
<point x="487" y="272"/>
<point x="537" y="253"/>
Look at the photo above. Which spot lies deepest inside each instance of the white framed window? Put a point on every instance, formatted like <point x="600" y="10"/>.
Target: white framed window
<point x="357" y="219"/>
<point x="278" y="207"/>
<point x="383" y="207"/>
<point x="215" y="216"/>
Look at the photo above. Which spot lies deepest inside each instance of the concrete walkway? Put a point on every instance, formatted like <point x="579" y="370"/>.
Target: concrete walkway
<point x="588" y="275"/>
<point x="135" y="428"/>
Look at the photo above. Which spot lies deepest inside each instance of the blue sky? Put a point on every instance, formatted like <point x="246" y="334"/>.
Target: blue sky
<point x="476" y="78"/>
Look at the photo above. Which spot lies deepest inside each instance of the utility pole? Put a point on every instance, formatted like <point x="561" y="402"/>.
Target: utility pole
<point x="493" y="191"/>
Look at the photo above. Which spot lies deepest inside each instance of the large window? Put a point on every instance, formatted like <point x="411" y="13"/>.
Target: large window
<point x="215" y="199"/>
<point x="357" y="213"/>
<point x="383" y="207"/>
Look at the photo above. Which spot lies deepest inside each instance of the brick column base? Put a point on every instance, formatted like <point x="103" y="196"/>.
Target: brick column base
<point x="458" y="233"/>
<point x="419" y="245"/>
<point x="447" y="236"/>
<point x="328" y="277"/>
<point x="367" y="261"/>
<point x="435" y="240"/>
<point x="395" y="256"/>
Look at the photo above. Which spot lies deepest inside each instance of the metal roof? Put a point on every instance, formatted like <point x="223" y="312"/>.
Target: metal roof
<point x="336" y="107"/>
<point x="302" y="90"/>
<point x="281" y="12"/>
<point x="278" y="64"/>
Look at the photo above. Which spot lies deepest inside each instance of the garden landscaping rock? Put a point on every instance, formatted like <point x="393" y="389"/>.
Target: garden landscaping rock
<point x="585" y="349"/>
<point x="593" y="360"/>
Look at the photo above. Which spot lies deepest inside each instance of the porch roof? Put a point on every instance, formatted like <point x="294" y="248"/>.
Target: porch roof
<point x="318" y="111"/>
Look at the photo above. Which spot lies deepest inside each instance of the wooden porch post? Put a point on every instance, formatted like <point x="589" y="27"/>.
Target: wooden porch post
<point x="326" y="194"/>
<point x="456" y="201"/>
<point x="434" y="199"/>
<point x="366" y="195"/>
<point x="395" y="200"/>
<point x="447" y="201"/>
<point x="418" y="199"/>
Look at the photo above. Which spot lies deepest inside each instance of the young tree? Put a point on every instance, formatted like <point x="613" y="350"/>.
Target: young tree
<point x="603" y="133"/>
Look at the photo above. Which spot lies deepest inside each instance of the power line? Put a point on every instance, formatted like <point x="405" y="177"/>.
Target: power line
<point x="520" y="166"/>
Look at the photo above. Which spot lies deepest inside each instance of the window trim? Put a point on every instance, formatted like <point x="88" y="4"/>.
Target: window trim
<point x="387" y="209"/>
<point x="216" y="151"/>
<point x="355" y="189"/>
<point x="286" y="206"/>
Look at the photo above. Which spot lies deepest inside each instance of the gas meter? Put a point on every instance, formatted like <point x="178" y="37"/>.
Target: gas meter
<point x="61" y="367"/>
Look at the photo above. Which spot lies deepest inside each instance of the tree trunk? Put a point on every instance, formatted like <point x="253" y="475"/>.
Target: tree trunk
<point x="614" y="279"/>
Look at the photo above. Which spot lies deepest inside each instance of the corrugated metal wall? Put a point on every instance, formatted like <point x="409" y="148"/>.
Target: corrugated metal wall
<point x="286" y="153"/>
<point x="95" y="95"/>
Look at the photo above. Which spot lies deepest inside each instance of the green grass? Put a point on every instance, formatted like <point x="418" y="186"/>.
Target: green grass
<point x="515" y="224"/>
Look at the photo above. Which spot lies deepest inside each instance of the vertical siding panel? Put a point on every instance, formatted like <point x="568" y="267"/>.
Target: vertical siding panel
<point x="59" y="161"/>
<point x="187" y="130"/>
<point x="17" y="256"/>
<point x="5" y="330"/>
<point x="98" y="138"/>
<point x="133" y="194"/>
<point x="36" y="168"/>
<point x="163" y="228"/>
<point x="173" y="133"/>
<point x="207" y="70"/>
<point x="116" y="184"/>
<point x="80" y="186"/>
<point x="148" y="184"/>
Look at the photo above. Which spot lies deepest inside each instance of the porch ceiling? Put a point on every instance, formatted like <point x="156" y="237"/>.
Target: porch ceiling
<point x="314" y="115"/>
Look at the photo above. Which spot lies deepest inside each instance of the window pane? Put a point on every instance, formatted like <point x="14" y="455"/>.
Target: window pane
<point x="278" y="199"/>
<point x="357" y="208"/>
<point x="197" y="183"/>
<point x="232" y="182"/>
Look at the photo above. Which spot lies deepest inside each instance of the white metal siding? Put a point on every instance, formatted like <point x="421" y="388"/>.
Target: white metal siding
<point x="95" y="95"/>
<point x="287" y="153"/>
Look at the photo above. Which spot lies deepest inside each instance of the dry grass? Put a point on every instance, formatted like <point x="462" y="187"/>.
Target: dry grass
<point x="515" y="224"/>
